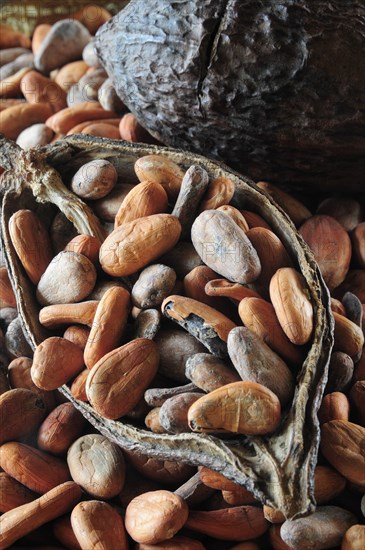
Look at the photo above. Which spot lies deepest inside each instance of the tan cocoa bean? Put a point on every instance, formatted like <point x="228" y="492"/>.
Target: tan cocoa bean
<point x="24" y="519"/>
<point x="220" y="192"/>
<point x="55" y="361"/>
<point x="98" y="525"/>
<point x="134" y="245"/>
<point x="256" y="362"/>
<point x="162" y="170"/>
<point x="13" y="493"/>
<point x="76" y="269"/>
<point x="97" y="465"/>
<point x="349" y="337"/>
<point x="354" y="538"/>
<point x="324" y="528"/>
<point x="240" y="407"/>
<point x="118" y="380"/>
<point x="155" y="516"/>
<point x="342" y="444"/>
<point x="108" y="325"/>
<point x="289" y="296"/>
<point x="19" y="374"/>
<point x="21" y="412"/>
<point x="209" y="372"/>
<point x="153" y="285"/>
<point x="166" y="472"/>
<point x="60" y="429"/>
<point x="334" y="406"/>
<point x="59" y="315"/>
<point x="78" y="386"/>
<point x="259" y="316"/>
<point x="272" y="255"/>
<point x="224" y="247"/>
<point x="327" y="484"/>
<point x="62" y="530"/>
<point x="77" y="334"/>
<point x="37" y="470"/>
<point x="87" y="245"/>
<point x="237" y="523"/>
<point x="144" y="199"/>
<point x="7" y="296"/>
<point x="94" y="180"/>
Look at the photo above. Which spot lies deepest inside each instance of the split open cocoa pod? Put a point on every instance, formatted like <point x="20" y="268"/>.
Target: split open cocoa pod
<point x="278" y="468"/>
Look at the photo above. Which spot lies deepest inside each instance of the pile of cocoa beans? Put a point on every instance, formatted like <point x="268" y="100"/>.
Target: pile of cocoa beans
<point x="118" y="308"/>
<point x="53" y="85"/>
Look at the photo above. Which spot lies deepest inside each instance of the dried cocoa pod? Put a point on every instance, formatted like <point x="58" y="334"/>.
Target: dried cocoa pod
<point x="243" y="459"/>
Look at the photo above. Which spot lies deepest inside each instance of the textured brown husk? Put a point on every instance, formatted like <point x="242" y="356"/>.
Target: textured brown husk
<point x="274" y="88"/>
<point x="279" y="468"/>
